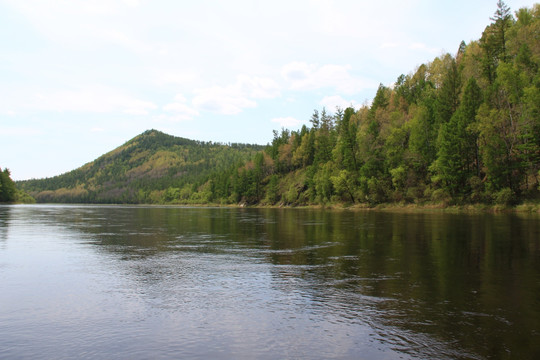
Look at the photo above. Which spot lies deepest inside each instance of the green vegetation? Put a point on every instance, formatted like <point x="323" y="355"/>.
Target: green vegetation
<point x="459" y="130"/>
<point x="9" y="192"/>
<point x="151" y="168"/>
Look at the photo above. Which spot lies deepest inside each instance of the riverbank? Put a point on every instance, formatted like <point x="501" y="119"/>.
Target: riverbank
<point x="426" y="207"/>
<point x="530" y="207"/>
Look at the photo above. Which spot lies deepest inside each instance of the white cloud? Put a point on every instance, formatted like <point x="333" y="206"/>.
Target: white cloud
<point x="180" y="98"/>
<point x="424" y="47"/>
<point x="19" y="131"/>
<point x="287" y="122"/>
<point x="98" y="99"/>
<point x="363" y="19"/>
<point x="132" y="3"/>
<point x="220" y="100"/>
<point x="135" y="106"/>
<point x="297" y="71"/>
<point x="170" y="118"/>
<point x="86" y="24"/>
<point x="332" y="102"/>
<point x="405" y="46"/>
<point x="304" y="76"/>
<point x="232" y="99"/>
<point x="181" y="110"/>
<point x="389" y="45"/>
<point x="172" y="76"/>
<point x="256" y="87"/>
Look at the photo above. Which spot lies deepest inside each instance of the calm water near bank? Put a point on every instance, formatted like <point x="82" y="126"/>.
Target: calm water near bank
<point x="163" y="282"/>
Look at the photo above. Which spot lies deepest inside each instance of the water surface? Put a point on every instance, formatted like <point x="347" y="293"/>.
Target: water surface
<point x="161" y="282"/>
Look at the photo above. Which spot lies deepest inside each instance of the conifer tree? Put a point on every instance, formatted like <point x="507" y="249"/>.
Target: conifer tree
<point x="8" y="191"/>
<point x="502" y="21"/>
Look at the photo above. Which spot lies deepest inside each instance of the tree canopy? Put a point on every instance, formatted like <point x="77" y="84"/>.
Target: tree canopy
<point x="463" y="128"/>
<point x="8" y="191"/>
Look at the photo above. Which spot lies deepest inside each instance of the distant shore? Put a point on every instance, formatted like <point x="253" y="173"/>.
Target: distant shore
<point x="431" y="207"/>
<point x="532" y="208"/>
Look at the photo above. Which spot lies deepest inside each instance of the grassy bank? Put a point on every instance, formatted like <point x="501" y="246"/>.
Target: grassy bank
<point x="426" y="207"/>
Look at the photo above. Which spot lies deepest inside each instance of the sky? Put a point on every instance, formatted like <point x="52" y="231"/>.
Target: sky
<point x="80" y="78"/>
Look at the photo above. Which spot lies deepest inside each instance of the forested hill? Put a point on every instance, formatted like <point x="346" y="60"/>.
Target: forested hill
<point x="463" y="128"/>
<point x="151" y="168"/>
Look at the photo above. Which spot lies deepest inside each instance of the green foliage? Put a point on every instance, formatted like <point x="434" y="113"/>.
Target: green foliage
<point x="463" y="129"/>
<point x="151" y="168"/>
<point x="441" y="196"/>
<point x="399" y="178"/>
<point x="504" y="197"/>
<point x="345" y="185"/>
<point x="322" y="182"/>
<point x="457" y="155"/>
<point x="448" y="95"/>
<point x="8" y="191"/>
<point x="23" y="197"/>
<point x="272" y="190"/>
<point x="422" y="141"/>
<point x="347" y="147"/>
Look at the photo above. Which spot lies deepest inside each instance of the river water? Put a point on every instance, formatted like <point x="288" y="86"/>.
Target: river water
<point x="133" y="282"/>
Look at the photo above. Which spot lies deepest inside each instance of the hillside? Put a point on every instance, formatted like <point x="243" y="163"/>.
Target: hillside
<point x="461" y="129"/>
<point x="151" y="168"/>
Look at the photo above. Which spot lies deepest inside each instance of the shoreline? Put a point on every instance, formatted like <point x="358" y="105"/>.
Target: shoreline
<point x="391" y="207"/>
<point x="531" y="208"/>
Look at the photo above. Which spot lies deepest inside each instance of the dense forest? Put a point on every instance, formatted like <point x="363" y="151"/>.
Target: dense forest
<point x="8" y="191"/>
<point x="461" y="129"/>
<point x="151" y="168"/>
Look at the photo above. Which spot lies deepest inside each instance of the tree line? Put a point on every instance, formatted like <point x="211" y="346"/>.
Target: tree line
<point x="151" y="168"/>
<point x="464" y="128"/>
<point x="8" y="191"/>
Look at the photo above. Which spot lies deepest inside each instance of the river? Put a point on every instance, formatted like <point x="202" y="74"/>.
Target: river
<point x="135" y="282"/>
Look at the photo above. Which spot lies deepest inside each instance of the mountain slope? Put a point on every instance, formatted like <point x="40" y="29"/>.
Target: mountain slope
<point x="460" y="129"/>
<point x="153" y="167"/>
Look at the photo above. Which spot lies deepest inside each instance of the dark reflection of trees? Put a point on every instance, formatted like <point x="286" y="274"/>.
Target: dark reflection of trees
<point x="5" y="215"/>
<point x="471" y="282"/>
<point x="467" y="280"/>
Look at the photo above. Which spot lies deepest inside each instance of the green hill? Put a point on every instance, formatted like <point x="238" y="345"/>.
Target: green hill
<point x="153" y="167"/>
<point x="461" y="129"/>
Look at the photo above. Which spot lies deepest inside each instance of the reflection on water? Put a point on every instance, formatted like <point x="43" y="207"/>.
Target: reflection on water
<point x="152" y="282"/>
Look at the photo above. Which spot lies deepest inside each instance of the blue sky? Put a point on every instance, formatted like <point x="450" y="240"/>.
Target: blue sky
<point x="80" y="78"/>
